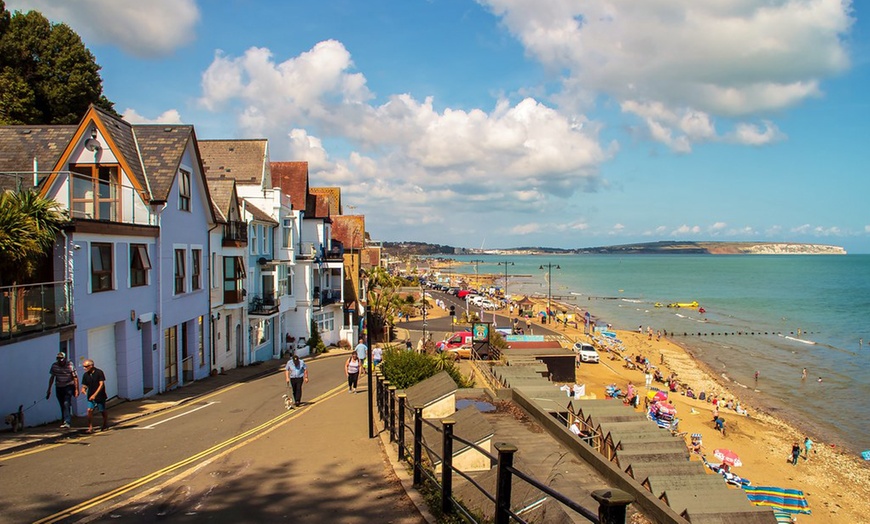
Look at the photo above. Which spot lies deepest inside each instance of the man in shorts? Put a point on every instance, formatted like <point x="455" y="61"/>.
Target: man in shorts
<point x="94" y="387"/>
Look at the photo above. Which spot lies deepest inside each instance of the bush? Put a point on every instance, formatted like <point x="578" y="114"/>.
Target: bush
<point x="344" y="344"/>
<point x="405" y="368"/>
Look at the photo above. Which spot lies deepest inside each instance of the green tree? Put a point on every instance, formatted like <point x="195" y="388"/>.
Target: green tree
<point x="28" y="227"/>
<point x="47" y="75"/>
<point x="384" y="302"/>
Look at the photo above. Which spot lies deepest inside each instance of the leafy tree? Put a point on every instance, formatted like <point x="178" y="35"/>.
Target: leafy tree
<point x="405" y="368"/>
<point x="28" y="227"/>
<point x="384" y="302"/>
<point x="315" y="343"/>
<point x="47" y="75"/>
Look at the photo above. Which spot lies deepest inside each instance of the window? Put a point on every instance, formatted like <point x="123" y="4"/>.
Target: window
<point x="101" y="267"/>
<point x="200" y="333"/>
<point x="261" y="332"/>
<point x="234" y="279"/>
<point x="179" y="271"/>
<point x="196" y="269"/>
<point x="95" y="190"/>
<point x="139" y="265"/>
<point x="184" y="190"/>
<point x="170" y="349"/>
<point x="287" y="233"/>
<point x="267" y="234"/>
<point x="325" y="321"/>
<point x="252" y="244"/>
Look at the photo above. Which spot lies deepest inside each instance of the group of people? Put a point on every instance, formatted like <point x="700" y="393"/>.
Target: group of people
<point x="796" y="450"/>
<point x="65" y="379"/>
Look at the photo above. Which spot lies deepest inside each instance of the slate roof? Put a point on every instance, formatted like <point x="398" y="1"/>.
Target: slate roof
<point x="292" y="178"/>
<point x="19" y="145"/>
<point x="162" y="147"/>
<point x="221" y="190"/>
<point x="245" y="161"/>
<point x="430" y="390"/>
<point x="121" y="133"/>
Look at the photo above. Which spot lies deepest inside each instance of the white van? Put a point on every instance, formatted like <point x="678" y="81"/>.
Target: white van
<point x="587" y="352"/>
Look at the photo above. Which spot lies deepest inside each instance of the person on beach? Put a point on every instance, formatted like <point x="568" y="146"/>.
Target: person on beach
<point x="795" y="453"/>
<point x="756" y="377"/>
<point x="808" y="446"/>
<point x="804" y="374"/>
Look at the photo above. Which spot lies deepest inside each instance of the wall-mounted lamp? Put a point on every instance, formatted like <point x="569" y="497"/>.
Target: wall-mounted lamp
<point x="132" y="314"/>
<point x="139" y="324"/>
<point x="216" y="316"/>
<point x="156" y="318"/>
<point x="92" y="144"/>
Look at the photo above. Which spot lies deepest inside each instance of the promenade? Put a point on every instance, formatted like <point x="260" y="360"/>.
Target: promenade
<point x="340" y="474"/>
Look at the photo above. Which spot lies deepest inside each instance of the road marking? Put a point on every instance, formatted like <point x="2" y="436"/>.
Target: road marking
<point x="263" y="428"/>
<point x="207" y="404"/>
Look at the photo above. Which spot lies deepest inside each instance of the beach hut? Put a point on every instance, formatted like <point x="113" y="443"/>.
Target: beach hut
<point x="642" y="471"/>
<point x="436" y="395"/>
<point x="658" y="484"/>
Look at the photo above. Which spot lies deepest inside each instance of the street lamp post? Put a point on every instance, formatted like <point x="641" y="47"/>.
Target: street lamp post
<point x="476" y="274"/>
<point x="505" y="264"/>
<point x="549" y="267"/>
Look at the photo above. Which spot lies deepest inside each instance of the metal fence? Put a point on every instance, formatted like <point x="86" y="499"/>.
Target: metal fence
<point x="391" y="408"/>
<point x="34" y="307"/>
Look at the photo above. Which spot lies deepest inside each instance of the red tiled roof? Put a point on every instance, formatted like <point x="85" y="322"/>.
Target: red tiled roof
<point x="292" y="179"/>
<point x="349" y="230"/>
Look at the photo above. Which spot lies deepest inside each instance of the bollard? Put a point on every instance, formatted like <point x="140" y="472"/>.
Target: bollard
<point x="379" y="378"/>
<point x="391" y="415"/>
<point x="611" y="505"/>
<point x="447" y="466"/>
<point x="418" y="446"/>
<point x="503" y="482"/>
<point x="385" y="393"/>
<point x="401" y="417"/>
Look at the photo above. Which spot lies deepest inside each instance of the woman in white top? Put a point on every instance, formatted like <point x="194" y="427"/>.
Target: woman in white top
<point x="351" y="369"/>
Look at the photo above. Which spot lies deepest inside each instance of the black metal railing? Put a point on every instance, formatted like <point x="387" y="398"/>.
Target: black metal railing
<point x="391" y="408"/>
<point x="34" y="307"/>
<point x="264" y="304"/>
<point x="235" y="231"/>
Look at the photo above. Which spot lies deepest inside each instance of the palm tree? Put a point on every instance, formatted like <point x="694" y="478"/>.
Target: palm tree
<point x="383" y="300"/>
<point x="28" y="228"/>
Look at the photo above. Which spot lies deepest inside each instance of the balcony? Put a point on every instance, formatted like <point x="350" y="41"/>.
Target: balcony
<point x="336" y="252"/>
<point x="326" y="297"/>
<point x="234" y="296"/>
<point x="235" y="234"/>
<point x="263" y="305"/>
<point x="34" y="307"/>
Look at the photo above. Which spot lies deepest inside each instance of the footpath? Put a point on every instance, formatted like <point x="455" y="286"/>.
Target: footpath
<point x="368" y="465"/>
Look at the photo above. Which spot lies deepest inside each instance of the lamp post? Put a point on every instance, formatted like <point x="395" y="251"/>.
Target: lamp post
<point x="549" y="267"/>
<point x="476" y="274"/>
<point x="505" y="264"/>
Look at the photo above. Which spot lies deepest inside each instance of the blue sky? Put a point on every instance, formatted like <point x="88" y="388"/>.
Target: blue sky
<point x="507" y="123"/>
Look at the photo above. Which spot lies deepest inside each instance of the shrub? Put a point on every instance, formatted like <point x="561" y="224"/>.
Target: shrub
<point x="344" y="344"/>
<point x="405" y="368"/>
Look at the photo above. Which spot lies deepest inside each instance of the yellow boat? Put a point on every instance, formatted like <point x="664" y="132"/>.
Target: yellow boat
<point x="689" y="305"/>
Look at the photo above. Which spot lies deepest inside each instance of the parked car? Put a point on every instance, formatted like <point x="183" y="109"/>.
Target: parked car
<point x="587" y="352"/>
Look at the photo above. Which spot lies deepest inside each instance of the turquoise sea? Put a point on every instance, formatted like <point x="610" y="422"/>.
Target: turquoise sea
<point x="773" y="314"/>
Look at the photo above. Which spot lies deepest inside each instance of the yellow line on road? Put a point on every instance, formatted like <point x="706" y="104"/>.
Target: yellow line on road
<point x="105" y="497"/>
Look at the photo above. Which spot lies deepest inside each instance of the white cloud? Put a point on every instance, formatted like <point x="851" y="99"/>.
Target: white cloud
<point x="753" y="135"/>
<point x="518" y="155"/>
<point x="718" y="226"/>
<point x="695" y="59"/>
<point x="170" y="116"/>
<point x="145" y="29"/>
<point x="686" y="229"/>
<point x="867" y="228"/>
<point x="526" y="229"/>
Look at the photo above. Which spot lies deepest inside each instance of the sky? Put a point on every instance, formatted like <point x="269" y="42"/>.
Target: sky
<point x="514" y="123"/>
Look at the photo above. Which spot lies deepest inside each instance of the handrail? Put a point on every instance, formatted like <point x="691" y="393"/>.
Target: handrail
<point x="555" y="494"/>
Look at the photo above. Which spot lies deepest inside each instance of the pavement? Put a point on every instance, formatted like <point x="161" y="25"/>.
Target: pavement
<point x="368" y="466"/>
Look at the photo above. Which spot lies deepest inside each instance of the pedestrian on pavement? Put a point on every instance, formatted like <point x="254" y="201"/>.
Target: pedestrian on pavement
<point x="94" y="386"/>
<point x="66" y="386"/>
<point x="377" y="355"/>
<point x="351" y="370"/>
<point x="296" y="373"/>
<point x="362" y="351"/>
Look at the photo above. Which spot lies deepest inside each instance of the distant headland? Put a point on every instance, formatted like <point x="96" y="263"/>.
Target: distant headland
<point x="665" y="247"/>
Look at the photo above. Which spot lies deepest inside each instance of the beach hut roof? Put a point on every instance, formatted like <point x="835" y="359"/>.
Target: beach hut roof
<point x="430" y="390"/>
<point x="469" y="424"/>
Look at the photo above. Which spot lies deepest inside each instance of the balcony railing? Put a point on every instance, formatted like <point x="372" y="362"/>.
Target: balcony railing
<point x="265" y="304"/>
<point x="233" y="296"/>
<point x="235" y="232"/>
<point x="34" y="307"/>
<point x="326" y="297"/>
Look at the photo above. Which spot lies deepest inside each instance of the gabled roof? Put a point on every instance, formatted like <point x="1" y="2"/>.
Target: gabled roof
<point x="258" y="214"/>
<point x="222" y="190"/>
<point x="318" y="206"/>
<point x="162" y="148"/>
<point x="292" y="179"/>
<point x="350" y="230"/>
<point x="431" y="390"/>
<point x="333" y="198"/>
<point x="245" y="161"/>
<point x="20" y="145"/>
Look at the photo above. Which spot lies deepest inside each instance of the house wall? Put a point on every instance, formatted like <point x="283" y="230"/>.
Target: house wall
<point x="186" y="230"/>
<point x="25" y="382"/>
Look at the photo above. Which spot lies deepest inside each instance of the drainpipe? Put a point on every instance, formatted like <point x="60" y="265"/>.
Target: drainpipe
<point x="210" y="319"/>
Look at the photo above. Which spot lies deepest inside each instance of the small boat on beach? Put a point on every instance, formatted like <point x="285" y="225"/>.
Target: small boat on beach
<point x="689" y="305"/>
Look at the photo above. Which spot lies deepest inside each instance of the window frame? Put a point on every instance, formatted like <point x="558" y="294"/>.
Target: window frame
<point x="95" y="173"/>
<point x="103" y="275"/>
<point x="195" y="269"/>
<point x="184" y="192"/>
<point x="139" y="253"/>
<point x="180" y="263"/>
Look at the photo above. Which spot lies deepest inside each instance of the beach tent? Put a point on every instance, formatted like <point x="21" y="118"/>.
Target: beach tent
<point x="787" y="500"/>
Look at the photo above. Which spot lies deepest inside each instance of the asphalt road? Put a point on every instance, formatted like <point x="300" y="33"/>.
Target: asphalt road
<point x="233" y="456"/>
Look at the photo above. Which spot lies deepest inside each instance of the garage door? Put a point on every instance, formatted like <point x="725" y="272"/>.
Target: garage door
<point x="101" y="349"/>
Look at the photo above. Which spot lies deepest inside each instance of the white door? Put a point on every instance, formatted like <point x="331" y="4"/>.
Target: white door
<point x="101" y="349"/>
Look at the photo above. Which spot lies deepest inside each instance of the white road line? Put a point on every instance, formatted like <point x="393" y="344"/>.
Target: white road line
<point x="179" y="415"/>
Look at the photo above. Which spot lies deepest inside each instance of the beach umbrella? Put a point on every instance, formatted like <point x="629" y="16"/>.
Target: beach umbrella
<point x="727" y="457"/>
<point x="656" y="396"/>
<point x="664" y="407"/>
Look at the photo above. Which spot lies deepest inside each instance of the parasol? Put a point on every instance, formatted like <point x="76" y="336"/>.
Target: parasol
<point x="727" y="457"/>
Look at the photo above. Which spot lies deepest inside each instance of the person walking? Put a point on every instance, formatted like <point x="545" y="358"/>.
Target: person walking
<point x="808" y="446"/>
<point x="362" y="351"/>
<point x="66" y="386"/>
<point x="296" y="373"/>
<point x="351" y="370"/>
<point x="94" y="386"/>
<point x="378" y="355"/>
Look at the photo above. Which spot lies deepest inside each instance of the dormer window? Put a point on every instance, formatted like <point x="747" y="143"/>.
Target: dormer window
<point x="183" y="190"/>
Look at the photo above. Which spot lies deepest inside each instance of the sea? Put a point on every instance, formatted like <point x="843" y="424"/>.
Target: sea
<point x="771" y="314"/>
